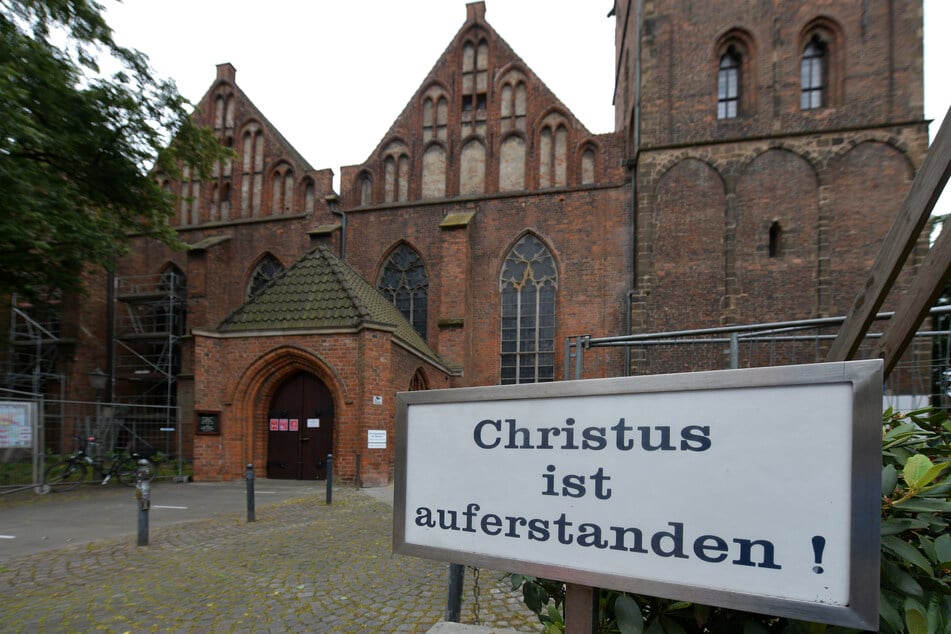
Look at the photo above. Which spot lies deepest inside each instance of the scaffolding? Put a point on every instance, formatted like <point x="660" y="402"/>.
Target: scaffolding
<point x="149" y="322"/>
<point x="35" y="342"/>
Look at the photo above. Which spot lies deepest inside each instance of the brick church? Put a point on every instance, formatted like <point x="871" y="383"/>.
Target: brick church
<point x="760" y="154"/>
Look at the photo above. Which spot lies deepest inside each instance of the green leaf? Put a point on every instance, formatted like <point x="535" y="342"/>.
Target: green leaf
<point x="671" y="626"/>
<point x="535" y="596"/>
<point x="656" y="627"/>
<point x="924" y="505"/>
<point x="889" y="613"/>
<point x="906" y="552"/>
<point x="926" y="547"/>
<point x="897" y="525"/>
<point x="889" y="479"/>
<point x="935" y="616"/>
<point x="899" y="433"/>
<point x="942" y="548"/>
<point x="899" y="579"/>
<point x="628" y="615"/>
<point x="916" y="617"/>
<point x="919" y="471"/>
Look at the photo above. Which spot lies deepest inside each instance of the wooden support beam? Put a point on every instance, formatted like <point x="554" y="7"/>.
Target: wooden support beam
<point x="926" y="288"/>
<point x="898" y="244"/>
<point x="581" y="609"/>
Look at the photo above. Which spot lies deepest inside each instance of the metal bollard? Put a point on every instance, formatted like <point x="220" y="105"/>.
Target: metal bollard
<point x="457" y="573"/>
<point x="142" y="493"/>
<point x="330" y="479"/>
<point x="357" y="479"/>
<point x="249" y="477"/>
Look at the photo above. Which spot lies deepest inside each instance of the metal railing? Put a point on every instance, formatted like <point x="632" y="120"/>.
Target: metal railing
<point x="922" y="376"/>
<point x="153" y="428"/>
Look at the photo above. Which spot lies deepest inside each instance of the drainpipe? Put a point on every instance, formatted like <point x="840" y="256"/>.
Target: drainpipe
<point x="333" y="201"/>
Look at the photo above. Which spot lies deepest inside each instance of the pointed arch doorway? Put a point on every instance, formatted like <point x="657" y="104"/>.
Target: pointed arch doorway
<point x="300" y="428"/>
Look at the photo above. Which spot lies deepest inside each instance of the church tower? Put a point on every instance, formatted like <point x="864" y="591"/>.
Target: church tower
<point x="771" y="145"/>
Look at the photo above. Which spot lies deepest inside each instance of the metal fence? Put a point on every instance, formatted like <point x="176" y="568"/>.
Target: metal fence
<point x="61" y="425"/>
<point x="922" y="376"/>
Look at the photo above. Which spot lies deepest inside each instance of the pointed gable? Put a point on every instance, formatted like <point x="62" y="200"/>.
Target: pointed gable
<point x="266" y="177"/>
<point x="320" y="292"/>
<point x="480" y="123"/>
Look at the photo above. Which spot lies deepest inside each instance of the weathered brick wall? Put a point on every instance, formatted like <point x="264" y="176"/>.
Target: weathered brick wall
<point x="586" y="229"/>
<point x="876" y="74"/>
<point x="238" y="376"/>
<point x="706" y="213"/>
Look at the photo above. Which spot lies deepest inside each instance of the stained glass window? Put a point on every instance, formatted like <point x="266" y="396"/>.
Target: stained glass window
<point x="405" y="283"/>
<point x="528" y="283"/>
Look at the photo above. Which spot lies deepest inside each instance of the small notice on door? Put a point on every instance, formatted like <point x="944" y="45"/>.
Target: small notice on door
<point x="376" y="439"/>
<point x="313" y="423"/>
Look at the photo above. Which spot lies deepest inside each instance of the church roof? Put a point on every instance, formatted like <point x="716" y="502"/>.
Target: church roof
<point x="321" y="292"/>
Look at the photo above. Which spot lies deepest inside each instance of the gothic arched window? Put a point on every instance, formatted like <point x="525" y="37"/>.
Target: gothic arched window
<point x="267" y="269"/>
<point x="404" y="282"/>
<point x="813" y="74"/>
<point x="527" y="284"/>
<point x="728" y="85"/>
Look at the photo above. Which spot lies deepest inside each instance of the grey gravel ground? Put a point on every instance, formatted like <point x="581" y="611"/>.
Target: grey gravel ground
<point x="302" y="566"/>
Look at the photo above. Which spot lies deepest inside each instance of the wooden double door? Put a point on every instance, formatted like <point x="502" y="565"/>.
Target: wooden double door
<point x="300" y="429"/>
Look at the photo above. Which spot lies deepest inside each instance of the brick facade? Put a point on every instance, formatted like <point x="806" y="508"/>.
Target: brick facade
<point x="676" y="220"/>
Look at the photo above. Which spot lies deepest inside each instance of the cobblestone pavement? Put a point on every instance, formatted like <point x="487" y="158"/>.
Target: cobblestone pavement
<point x="302" y="566"/>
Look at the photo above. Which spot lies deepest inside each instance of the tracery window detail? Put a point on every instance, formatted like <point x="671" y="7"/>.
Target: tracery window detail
<point x="528" y="284"/>
<point x="267" y="269"/>
<point x="404" y="282"/>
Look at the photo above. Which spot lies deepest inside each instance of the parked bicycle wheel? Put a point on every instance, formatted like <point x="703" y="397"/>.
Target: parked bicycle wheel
<point x="65" y="476"/>
<point x="128" y="472"/>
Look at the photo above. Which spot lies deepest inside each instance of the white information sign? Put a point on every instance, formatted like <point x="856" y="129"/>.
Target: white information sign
<point x="17" y="421"/>
<point x="376" y="439"/>
<point x="752" y="489"/>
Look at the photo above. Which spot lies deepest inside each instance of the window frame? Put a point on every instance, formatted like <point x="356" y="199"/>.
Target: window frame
<point x="528" y="289"/>
<point x="416" y="311"/>
<point x="829" y="36"/>
<point x="740" y="45"/>
<point x="728" y="96"/>
<point x="813" y="74"/>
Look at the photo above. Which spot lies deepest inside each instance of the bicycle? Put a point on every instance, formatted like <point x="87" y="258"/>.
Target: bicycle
<point x="73" y="470"/>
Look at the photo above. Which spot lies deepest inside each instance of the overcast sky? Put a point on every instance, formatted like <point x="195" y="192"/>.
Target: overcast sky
<point x="333" y="76"/>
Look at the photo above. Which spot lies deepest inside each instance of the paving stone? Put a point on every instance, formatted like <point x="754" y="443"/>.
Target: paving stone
<point x="302" y="566"/>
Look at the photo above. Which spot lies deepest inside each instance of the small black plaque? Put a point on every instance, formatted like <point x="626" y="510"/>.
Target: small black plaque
<point x="207" y="423"/>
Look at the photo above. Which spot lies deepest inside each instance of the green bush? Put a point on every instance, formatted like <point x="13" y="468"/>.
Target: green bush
<point x="916" y="554"/>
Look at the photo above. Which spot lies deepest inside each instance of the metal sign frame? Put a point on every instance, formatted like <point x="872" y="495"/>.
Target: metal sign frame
<point x="434" y="429"/>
